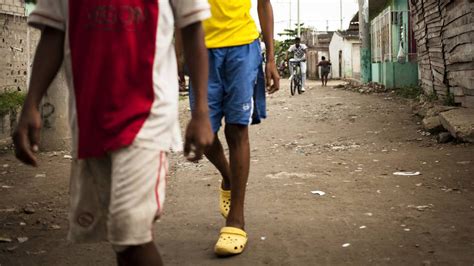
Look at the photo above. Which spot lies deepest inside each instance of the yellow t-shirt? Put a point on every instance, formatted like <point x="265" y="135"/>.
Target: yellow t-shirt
<point x="230" y="25"/>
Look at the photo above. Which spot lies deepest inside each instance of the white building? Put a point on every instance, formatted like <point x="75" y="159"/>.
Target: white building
<point x="344" y="51"/>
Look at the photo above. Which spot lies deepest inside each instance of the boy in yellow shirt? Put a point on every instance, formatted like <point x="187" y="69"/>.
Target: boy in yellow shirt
<point x="235" y="62"/>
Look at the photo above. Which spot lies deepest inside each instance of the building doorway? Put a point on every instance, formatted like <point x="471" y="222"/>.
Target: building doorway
<point x="340" y="64"/>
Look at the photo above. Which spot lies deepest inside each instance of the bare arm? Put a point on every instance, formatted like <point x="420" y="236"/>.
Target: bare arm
<point x="179" y="54"/>
<point x="265" y="15"/>
<point x="198" y="133"/>
<point x="47" y="61"/>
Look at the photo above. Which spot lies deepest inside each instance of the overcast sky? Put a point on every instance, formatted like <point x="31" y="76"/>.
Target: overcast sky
<point x="317" y="13"/>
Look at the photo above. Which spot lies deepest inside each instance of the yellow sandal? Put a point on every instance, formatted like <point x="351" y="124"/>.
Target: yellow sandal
<point x="231" y="241"/>
<point x="224" y="202"/>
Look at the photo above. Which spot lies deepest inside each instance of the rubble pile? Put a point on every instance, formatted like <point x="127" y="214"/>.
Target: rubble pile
<point x="447" y="122"/>
<point x="363" y="88"/>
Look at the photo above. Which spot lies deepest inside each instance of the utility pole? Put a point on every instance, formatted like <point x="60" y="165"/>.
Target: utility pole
<point x="290" y="26"/>
<point x="364" y="32"/>
<point x="340" y="13"/>
<point x="298" y="18"/>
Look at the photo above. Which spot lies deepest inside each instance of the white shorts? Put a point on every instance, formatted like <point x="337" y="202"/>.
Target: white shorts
<point x="117" y="198"/>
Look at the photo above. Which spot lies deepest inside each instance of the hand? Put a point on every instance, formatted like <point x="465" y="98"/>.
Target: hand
<point x="271" y="74"/>
<point x="198" y="137"/>
<point x="27" y="135"/>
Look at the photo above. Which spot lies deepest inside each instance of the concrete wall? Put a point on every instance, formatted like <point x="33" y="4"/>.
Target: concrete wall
<point x="395" y="75"/>
<point x="376" y="72"/>
<point x="313" y="57"/>
<point x="311" y="63"/>
<point x="356" y="60"/>
<point x="389" y="71"/>
<point x="350" y="57"/>
<point x="336" y="45"/>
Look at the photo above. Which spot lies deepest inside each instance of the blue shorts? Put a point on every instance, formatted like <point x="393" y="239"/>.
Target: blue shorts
<point x="233" y="75"/>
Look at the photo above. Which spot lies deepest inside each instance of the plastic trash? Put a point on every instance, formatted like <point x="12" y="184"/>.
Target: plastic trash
<point x="22" y="239"/>
<point x="318" y="192"/>
<point x="407" y="173"/>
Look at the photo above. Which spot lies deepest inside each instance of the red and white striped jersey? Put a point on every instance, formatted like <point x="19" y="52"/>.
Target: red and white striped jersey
<point x="121" y="69"/>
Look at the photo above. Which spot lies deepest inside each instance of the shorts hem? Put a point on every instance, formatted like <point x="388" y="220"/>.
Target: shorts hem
<point x="132" y="241"/>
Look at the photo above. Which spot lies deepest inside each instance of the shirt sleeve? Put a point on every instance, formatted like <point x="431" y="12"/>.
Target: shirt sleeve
<point x="48" y="13"/>
<point x="291" y="49"/>
<point x="190" y="11"/>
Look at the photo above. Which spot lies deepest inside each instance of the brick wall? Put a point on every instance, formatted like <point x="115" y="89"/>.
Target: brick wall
<point x="17" y="45"/>
<point x="12" y="7"/>
<point x="13" y="53"/>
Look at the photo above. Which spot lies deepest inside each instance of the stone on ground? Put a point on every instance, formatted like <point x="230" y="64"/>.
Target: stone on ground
<point x="460" y="123"/>
<point x="433" y="124"/>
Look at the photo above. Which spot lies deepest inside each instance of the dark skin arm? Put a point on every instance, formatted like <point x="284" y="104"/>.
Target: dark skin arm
<point x="199" y="134"/>
<point x="179" y="54"/>
<point x="265" y="15"/>
<point x="46" y="64"/>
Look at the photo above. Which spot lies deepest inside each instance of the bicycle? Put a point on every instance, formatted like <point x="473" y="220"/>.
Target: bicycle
<point x="296" y="81"/>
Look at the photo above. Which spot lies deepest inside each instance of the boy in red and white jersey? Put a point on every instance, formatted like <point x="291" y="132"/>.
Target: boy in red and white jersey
<point x="120" y="67"/>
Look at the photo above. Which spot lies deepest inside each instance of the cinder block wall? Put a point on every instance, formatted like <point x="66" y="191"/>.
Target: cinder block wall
<point x="15" y="54"/>
<point x="12" y="7"/>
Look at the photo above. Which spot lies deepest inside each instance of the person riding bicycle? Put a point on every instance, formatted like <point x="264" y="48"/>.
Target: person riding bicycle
<point x="299" y="55"/>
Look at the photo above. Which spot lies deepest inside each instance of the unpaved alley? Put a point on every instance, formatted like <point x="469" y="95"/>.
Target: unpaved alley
<point x="322" y="191"/>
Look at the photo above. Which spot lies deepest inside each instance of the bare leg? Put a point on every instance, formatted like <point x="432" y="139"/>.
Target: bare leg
<point x="216" y="156"/>
<point x="239" y="148"/>
<point x="143" y="255"/>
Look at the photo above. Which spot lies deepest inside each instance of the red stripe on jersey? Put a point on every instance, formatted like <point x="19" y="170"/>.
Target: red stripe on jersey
<point x="112" y="52"/>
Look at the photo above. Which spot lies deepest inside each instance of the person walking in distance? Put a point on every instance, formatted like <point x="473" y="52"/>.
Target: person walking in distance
<point x="325" y="70"/>
<point x="235" y="57"/>
<point x="121" y="72"/>
<point x="299" y="55"/>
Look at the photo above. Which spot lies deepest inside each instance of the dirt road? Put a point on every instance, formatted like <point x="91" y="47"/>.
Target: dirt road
<point x="342" y="143"/>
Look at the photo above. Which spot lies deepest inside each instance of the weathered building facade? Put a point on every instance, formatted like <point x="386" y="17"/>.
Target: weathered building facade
<point x="393" y="48"/>
<point x="344" y="51"/>
<point x="444" y="31"/>
<point x="14" y="50"/>
<point x="318" y="46"/>
<point x="17" y="45"/>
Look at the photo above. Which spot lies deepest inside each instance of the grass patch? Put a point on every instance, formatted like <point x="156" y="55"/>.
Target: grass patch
<point x="432" y="97"/>
<point x="11" y="101"/>
<point x="449" y="100"/>
<point x="409" y="92"/>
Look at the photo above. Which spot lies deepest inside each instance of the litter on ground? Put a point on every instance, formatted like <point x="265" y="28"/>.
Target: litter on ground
<point x="407" y="173"/>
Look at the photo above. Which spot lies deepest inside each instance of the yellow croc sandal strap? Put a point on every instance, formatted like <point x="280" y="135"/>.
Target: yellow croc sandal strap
<point x="233" y="231"/>
<point x="224" y="202"/>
